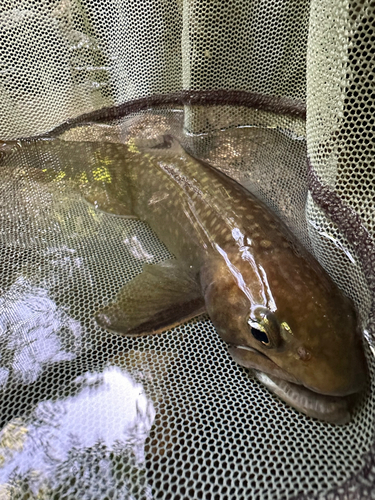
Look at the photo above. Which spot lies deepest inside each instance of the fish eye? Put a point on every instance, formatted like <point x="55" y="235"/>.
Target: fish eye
<point x="264" y="327"/>
<point x="260" y="335"/>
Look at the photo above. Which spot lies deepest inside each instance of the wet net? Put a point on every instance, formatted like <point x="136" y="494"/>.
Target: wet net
<point x="279" y="96"/>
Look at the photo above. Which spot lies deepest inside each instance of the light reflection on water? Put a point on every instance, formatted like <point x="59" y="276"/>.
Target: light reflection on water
<point x="108" y="417"/>
<point x="102" y="421"/>
<point x="34" y="332"/>
<point x="137" y="249"/>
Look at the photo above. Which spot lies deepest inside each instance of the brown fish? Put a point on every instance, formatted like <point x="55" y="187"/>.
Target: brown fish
<point x="275" y="306"/>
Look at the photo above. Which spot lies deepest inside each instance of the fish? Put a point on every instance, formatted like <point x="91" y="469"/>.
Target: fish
<point x="278" y="311"/>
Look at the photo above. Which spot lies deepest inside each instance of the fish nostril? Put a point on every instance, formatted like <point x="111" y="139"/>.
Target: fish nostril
<point x="303" y="353"/>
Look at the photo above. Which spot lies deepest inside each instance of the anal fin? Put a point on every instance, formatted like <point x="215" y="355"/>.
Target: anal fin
<point x="162" y="296"/>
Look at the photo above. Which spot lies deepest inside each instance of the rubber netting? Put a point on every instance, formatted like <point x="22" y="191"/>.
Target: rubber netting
<point x="278" y="95"/>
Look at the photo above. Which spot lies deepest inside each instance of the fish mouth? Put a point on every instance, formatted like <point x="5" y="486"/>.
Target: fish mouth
<point x="331" y="409"/>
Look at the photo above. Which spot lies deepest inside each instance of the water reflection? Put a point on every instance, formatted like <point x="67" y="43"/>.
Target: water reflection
<point x="34" y="332"/>
<point x="137" y="249"/>
<point x="82" y="443"/>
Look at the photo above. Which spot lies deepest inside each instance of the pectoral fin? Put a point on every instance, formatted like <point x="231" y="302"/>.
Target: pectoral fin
<point x="161" y="297"/>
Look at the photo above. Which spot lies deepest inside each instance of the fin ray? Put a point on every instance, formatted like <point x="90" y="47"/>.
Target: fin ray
<point x="162" y="296"/>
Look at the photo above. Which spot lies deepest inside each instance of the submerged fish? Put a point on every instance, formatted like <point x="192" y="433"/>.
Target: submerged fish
<point x="275" y="306"/>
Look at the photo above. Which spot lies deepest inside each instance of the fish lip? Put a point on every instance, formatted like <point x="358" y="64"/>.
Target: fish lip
<point x="332" y="409"/>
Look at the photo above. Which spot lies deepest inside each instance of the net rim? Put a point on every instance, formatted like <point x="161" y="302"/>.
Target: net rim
<point x="279" y="105"/>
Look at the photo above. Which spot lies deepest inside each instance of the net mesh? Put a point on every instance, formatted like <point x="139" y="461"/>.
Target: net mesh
<point x="88" y="414"/>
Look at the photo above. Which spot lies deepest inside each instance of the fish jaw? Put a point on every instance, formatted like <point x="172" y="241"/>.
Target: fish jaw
<point x="328" y="408"/>
<point x="332" y="409"/>
<point x="341" y="387"/>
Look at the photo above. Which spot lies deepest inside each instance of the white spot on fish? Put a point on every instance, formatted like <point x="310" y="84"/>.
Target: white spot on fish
<point x="265" y="244"/>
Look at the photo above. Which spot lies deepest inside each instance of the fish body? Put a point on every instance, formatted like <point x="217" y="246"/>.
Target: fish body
<point x="274" y="305"/>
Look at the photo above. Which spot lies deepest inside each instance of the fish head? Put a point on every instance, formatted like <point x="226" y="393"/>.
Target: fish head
<point x="290" y="322"/>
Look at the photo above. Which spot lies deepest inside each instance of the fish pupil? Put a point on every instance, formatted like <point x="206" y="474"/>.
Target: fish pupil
<point x="259" y="335"/>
